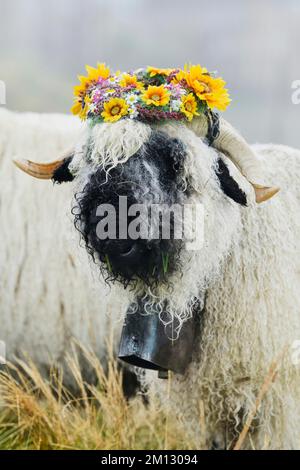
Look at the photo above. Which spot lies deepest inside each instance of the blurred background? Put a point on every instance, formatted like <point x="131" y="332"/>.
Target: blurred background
<point x="253" y="44"/>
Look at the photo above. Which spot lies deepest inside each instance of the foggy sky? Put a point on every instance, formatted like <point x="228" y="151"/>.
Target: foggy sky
<point x="253" y="44"/>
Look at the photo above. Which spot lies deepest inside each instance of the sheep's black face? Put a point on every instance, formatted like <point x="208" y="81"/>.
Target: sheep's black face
<point x="131" y="241"/>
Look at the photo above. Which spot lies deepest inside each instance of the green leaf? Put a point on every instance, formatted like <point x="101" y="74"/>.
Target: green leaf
<point x="165" y="262"/>
<point x="108" y="263"/>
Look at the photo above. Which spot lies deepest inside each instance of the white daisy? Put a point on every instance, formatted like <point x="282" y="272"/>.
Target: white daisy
<point x="175" y="105"/>
<point x="131" y="99"/>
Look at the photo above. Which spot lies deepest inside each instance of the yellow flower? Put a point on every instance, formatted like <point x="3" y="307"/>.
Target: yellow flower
<point x="213" y="91"/>
<point x="76" y="108"/>
<point x="207" y="88"/>
<point x="128" y="79"/>
<point x="93" y="76"/>
<point x="190" y="73"/>
<point x="79" y="90"/>
<point x="81" y="107"/>
<point x="95" y="73"/>
<point x="156" y="71"/>
<point x="156" y="95"/>
<point x="114" y="109"/>
<point x="189" y="106"/>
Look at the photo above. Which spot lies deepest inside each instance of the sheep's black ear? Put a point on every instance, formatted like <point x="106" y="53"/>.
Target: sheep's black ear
<point x="228" y="185"/>
<point x="62" y="174"/>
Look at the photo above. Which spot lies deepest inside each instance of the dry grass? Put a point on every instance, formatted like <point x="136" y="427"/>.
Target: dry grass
<point x="41" y="414"/>
<point x="269" y="379"/>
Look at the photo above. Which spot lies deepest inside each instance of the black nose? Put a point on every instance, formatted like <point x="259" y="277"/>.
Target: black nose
<point x="129" y="252"/>
<point x="147" y="260"/>
<point x="129" y="257"/>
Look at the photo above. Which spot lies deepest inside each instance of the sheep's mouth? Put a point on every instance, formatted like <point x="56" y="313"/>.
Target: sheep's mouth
<point x="146" y="342"/>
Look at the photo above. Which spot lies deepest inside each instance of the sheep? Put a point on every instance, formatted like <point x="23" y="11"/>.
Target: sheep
<point x="152" y="138"/>
<point x="48" y="296"/>
<point x="245" y="277"/>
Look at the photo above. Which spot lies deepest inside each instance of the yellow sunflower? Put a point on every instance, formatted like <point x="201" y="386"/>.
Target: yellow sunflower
<point x="156" y="71"/>
<point x="76" y="108"/>
<point x="80" y="90"/>
<point x="95" y="73"/>
<point x="128" y="79"/>
<point x="213" y="91"/>
<point x="93" y="76"/>
<point x="207" y="88"/>
<point x="81" y="107"/>
<point x="114" y="109"/>
<point x="189" y="106"/>
<point x="156" y="95"/>
<point x="190" y="73"/>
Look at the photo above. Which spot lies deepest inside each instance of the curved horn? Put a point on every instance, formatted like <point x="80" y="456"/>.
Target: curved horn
<point x="239" y="151"/>
<point x="42" y="171"/>
<point x="263" y="193"/>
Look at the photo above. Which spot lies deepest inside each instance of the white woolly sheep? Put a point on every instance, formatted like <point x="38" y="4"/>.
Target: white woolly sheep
<point x="246" y="275"/>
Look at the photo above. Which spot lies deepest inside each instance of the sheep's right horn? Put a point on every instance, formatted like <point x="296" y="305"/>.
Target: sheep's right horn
<point x="44" y="171"/>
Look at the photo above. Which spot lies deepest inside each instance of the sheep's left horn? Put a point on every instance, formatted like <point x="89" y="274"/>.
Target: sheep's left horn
<point x="232" y="144"/>
<point x="43" y="171"/>
<point x="263" y="193"/>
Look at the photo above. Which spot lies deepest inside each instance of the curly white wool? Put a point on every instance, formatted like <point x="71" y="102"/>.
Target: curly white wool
<point x="252" y="313"/>
<point x="48" y="293"/>
<point x="109" y="144"/>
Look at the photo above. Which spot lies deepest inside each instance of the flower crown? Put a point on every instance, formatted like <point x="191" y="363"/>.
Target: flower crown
<point x="148" y="94"/>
